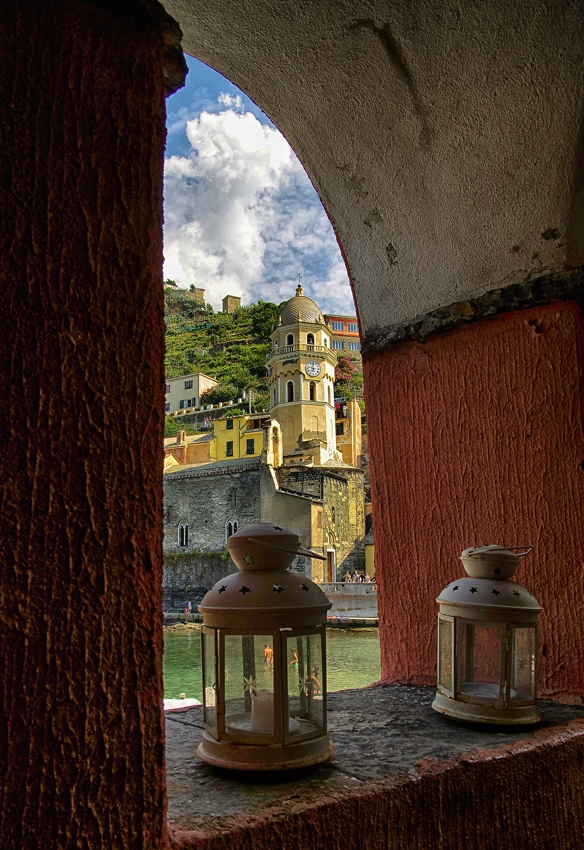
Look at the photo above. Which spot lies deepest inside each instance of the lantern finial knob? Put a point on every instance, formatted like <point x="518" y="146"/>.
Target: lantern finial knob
<point x="492" y="561"/>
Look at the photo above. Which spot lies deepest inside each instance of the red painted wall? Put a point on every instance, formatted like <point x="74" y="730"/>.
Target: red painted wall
<point x="477" y="437"/>
<point x="81" y="401"/>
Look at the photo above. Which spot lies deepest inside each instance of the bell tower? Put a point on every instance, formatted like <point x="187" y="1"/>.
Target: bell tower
<point x="301" y="369"/>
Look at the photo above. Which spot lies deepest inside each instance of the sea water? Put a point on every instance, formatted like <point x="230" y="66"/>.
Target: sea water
<point x="353" y="661"/>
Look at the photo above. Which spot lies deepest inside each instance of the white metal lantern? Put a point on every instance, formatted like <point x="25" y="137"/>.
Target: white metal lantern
<point x="487" y="641"/>
<point x="264" y="658"/>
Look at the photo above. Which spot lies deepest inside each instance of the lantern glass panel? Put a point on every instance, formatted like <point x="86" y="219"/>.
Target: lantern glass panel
<point x="306" y="684"/>
<point x="208" y="651"/>
<point x="445" y="640"/>
<point x="249" y="685"/>
<point x="523" y="663"/>
<point x="479" y="661"/>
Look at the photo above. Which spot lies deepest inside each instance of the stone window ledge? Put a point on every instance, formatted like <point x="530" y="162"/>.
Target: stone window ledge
<point x="402" y="777"/>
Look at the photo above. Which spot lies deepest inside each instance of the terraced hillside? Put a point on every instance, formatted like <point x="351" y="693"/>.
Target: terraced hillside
<point x="230" y="348"/>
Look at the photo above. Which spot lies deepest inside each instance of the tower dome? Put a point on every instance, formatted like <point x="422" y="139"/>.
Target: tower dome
<point x="300" y="309"/>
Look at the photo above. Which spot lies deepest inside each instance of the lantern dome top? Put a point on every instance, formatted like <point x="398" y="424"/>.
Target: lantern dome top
<point x="486" y="593"/>
<point x="265" y="593"/>
<point x="300" y="309"/>
<point x="492" y="561"/>
<point x="265" y="546"/>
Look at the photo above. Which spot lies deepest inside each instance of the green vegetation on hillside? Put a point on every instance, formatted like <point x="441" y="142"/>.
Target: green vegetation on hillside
<point x="233" y="348"/>
<point x="230" y="348"/>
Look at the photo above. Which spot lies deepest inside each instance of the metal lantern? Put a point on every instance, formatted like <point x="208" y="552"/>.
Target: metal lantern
<point x="264" y="658"/>
<point x="487" y="641"/>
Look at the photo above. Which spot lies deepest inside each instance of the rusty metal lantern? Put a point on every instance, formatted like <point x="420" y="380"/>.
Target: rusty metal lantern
<point x="487" y="641"/>
<point x="264" y="658"/>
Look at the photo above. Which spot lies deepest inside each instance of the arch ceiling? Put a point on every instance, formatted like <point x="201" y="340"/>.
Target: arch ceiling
<point x="442" y="137"/>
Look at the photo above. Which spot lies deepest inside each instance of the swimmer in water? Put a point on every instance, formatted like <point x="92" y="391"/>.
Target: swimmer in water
<point x="294" y="661"/>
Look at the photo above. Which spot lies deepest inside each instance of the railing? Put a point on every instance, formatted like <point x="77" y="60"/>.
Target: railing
<point x="357" y="588"/>
<point x="299" y="346"/>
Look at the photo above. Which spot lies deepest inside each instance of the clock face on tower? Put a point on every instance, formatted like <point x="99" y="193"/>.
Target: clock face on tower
<point x="313" y="368"/>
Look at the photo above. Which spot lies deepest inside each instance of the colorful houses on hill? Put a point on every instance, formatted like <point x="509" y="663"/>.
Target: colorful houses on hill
<point x="297" y="466"/>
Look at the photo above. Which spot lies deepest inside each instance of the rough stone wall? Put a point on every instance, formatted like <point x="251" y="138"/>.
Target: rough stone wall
<point x="304" y="480"/>
<point x="82" y="142"/>
<point x="206" y="503"/>
<point x="477" y="437"/>
<point x="189" y="576"/>
<point x="527" y="795"/>
<point x="346" y="533"/>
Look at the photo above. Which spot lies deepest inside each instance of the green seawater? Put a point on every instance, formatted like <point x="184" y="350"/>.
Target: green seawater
<point x="353" y="661"/>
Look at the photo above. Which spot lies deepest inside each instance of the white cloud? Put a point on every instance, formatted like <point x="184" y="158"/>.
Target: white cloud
<point x="230" y="101"/>
<point x="243" y="219"/>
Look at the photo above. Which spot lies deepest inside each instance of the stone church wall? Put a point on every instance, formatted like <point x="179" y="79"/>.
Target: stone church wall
<point x="206" y="503"/>
<point x="344" y="520"/>
<point x="303" y="480"/>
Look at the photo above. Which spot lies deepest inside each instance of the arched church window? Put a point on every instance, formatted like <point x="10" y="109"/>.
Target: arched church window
<point x="290" y="391"/>
<point x="309" y="339"/>
<point x="231" y="527"/>
<point x="183" y="534"/>
<point x="312" y="391"/>
<point x="290" y="339"/>
<point x="274" y="396"/>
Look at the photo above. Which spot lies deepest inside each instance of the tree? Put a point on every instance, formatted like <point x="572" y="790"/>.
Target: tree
<point x="263" y="315"/>
<point x="222" y="392"/>
<point x="344" y="370"/>
<point x="348" y="381"/>
<point x="172" y="426"/>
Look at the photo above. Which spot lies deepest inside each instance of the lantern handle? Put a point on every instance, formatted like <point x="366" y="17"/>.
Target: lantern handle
<point x="528" y="549"/>
<point x="299" y="551"/>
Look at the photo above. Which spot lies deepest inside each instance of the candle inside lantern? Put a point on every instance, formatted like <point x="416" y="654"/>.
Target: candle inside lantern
<point x="480" y="689"/>
<point x="262" y="712"/>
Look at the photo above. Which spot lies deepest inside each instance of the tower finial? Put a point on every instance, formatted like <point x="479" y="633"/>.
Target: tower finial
<point x="299" y="290"/>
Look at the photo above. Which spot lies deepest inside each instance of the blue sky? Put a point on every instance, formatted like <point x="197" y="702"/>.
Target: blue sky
<point x="241" y="216"/>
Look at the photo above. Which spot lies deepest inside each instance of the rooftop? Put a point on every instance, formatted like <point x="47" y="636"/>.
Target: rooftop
<point x="300" y="308"/>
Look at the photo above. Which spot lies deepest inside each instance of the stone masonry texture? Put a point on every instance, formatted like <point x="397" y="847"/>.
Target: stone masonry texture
<point x="206" y="503"/>
<point x="406" y="779"/>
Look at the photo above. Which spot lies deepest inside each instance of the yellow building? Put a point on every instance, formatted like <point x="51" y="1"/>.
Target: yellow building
<point x="301" y="369"/>
<point x="297" y="466"/>
<point x="237" y="437"/>
<point x="234" y="437"/>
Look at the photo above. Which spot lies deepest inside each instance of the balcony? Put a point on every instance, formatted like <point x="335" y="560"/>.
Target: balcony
<point x="302" y="348"/>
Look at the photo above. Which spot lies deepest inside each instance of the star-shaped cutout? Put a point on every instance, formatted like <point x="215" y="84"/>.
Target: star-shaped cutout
<point x="516" y="592"/>
<point x="455" y="588"/>
<point x="222" y="589"/>
<point x="250" y="685"/>
<point x="243" y="589"/>
<point x="497" y="572"/>
<point x="278" y="588"/>
<point x="248" y="559"/>
<point x="496" y="592"/>
<point x="303" y="587"/>
<point x="473" y="590"/>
